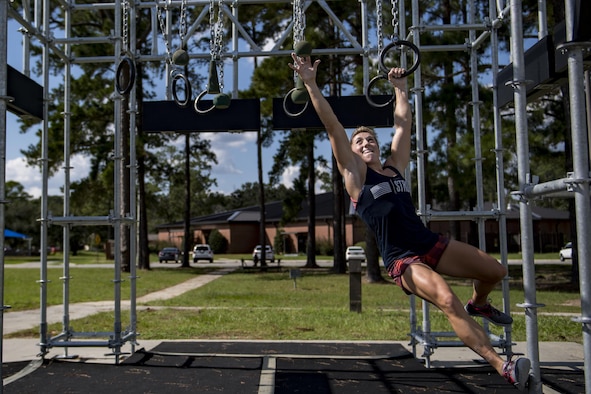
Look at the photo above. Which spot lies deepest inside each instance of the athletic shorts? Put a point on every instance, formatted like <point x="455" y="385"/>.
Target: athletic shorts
<point x="397" y="268"/>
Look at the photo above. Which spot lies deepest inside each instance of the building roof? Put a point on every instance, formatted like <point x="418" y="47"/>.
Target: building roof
<point x="273" y="212"/>
<point x="324" y="210"/>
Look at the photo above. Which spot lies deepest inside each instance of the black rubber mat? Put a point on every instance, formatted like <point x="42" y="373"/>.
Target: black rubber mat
<point x="284" y="367"/>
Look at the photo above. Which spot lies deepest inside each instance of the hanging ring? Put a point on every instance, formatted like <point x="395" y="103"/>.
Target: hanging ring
<point x="291" y="114"/>
<point x="188" y="93"/>
<point x="125" y="73"/>
<point x="368" y="94"/>
<point x="196" y="105"/>
<point x="398" y="44"/>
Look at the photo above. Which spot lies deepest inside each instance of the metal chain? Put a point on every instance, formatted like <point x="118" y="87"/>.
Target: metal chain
<point x="379" y="25"/>
<point x="219" y="43"/>
<point x="216" y="38"/>
<point x="163" y="29"/>
<point x="395" y="19"/>
<point x="125" y="47"/>
<point x="212" y="29"/>
<point x="299" y="19"/>
<point x="183" y="21"/>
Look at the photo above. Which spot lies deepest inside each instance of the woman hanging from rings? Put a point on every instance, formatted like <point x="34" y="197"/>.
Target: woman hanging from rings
<point x="415" y="257"/>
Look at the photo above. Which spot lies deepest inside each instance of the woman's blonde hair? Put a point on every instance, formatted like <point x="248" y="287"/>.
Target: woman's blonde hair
<point x="364" y="129"/>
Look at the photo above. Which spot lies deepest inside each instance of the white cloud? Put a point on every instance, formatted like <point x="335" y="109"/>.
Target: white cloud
<point x="289" y="174"/>
<point x="31" y="178"/>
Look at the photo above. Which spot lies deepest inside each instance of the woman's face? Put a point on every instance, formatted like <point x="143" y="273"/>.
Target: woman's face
<point x="366" y="146"/>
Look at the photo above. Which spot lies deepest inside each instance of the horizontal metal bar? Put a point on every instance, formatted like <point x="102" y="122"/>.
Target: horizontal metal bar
<point x="545" y="187"/>
<point x="458" y="215"/>
<point x="175" y="4"/>
<point x="467" y="26"/>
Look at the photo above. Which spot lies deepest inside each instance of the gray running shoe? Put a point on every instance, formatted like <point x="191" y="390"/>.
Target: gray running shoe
<point x="517" y="372"/>
<point x="490" y="313"/>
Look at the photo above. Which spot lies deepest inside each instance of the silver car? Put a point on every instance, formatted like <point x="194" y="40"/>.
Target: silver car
<point x="566" y="252"/>
<point x="202" y="252"/>
<point x="355" y="253"/>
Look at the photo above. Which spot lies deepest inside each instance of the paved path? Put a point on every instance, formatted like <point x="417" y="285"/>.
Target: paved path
<point x="23" y="320"/>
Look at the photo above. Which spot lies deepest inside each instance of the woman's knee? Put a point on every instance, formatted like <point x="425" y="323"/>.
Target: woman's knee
<point x="447" y="301"/>
<point x="496" y="271"/>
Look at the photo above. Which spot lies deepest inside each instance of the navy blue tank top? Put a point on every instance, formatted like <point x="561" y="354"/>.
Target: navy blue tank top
<point x="386" y="206"/>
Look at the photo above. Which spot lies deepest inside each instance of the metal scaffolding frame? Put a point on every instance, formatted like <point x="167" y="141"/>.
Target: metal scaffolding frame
<point x="36" y="23"/>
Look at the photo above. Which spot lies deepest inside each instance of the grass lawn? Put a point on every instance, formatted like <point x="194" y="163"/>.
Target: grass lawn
<point x="254" y="305"/>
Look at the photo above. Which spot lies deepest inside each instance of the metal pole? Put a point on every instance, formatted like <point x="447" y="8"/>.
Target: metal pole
<point x="67" y="169"/>
<point x="133" y="224"/>
<point x="3" y="105"/>
<point x="45" y="176"/>
<point x="580" y="185"/>
<point x="525" y="215"/>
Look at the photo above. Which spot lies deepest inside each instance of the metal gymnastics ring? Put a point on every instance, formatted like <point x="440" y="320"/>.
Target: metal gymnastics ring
<point x="188" y="92"/>
<point x="368" y="95"/>
<point x="125" y="64"/>
<point x="291" y="114"/>
<point x="399" y="43"/>
<point x="196" y="105"/>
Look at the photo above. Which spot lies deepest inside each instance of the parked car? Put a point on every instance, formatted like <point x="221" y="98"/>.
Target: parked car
<point x="566" y="252"/>
<point x="202" y="252"/>
<point x="269" y="255"/>
<point x="169" y="254"/>
<point x="355" y="253"/>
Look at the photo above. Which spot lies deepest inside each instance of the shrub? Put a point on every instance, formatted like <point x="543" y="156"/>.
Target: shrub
<point x="217" y="242"/>
<point x="324" y="247"/>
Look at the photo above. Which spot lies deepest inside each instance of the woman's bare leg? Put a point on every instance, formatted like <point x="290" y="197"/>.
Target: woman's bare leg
<point x="430" y="286"/>
<point x="462" y="260"/>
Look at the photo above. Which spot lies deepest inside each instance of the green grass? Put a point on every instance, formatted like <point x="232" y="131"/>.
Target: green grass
<point x="22" y="289"/>
<point x="253" y="305"/>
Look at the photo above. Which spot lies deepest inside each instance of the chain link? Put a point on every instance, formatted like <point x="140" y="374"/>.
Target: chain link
<point x="125" y="47"/>
<point x="163" y="29"/>
<point x="219" y="43"/>
<point x="394" y="20"/>
<point x="379" y="25"/>
<point x="183" y="21"/>
<point x="216" y="39"/>
<point x="299" y="21"/>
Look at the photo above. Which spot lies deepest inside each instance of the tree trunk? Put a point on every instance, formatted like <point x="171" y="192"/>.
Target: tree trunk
<point x="143" y="248"/>
<point x="311" y="243"/>
<point x="124" y="202"/>
<point x="188" y="239"/>
<point x="339" y="264"/>
<point x="263" y="216"/>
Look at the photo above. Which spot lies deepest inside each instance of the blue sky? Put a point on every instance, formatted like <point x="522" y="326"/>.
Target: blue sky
<point x="236" y="153"/>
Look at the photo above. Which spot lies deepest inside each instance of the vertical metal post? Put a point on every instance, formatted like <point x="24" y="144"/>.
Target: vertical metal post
<point x="133" y="180"/>
<point x="581" y="177"/>
<point x="118" y="183"/>
<point x="3" y="100"/>
<point x="476" y="126"/>
<point x="499" y="168"/>
<point x="45" y="176"/>
<point x="525" y="215"/>
<point x="420" y="163"/>
<point x="66" y="209"/>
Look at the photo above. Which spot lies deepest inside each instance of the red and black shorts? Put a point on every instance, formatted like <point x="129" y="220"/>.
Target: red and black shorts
<point x="431" y="258"/>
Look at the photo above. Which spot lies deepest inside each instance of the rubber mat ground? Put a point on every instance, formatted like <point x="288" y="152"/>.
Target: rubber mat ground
<point x="274" y="367"/>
